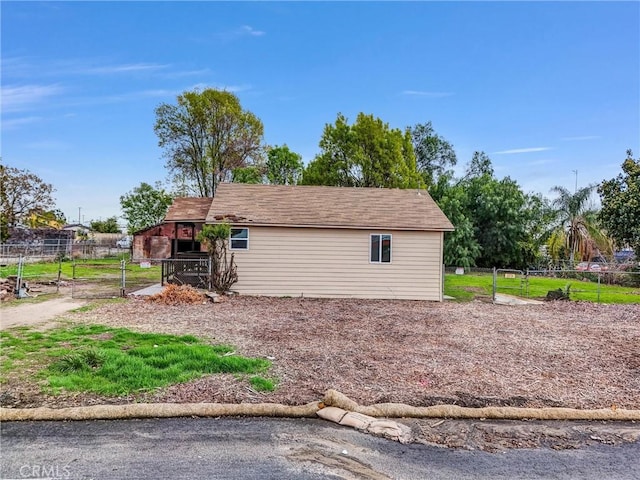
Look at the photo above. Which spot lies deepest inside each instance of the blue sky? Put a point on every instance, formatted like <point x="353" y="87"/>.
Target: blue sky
<point x="544" y="88"/>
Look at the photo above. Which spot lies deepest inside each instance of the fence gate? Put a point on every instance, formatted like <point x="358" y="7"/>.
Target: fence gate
<point x="515" y="282"/>
<point x="192" y="271"/>
<point x="98" y="280"/>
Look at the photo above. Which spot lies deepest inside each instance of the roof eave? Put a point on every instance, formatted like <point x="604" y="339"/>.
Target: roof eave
<point x="342" y="227"/>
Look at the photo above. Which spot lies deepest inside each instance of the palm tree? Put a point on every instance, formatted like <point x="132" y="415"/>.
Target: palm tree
<point x="576" y="227"/>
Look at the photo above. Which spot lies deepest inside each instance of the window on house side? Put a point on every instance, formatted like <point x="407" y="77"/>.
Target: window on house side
<point x="380" y="249"/>
<point x="239" y="239"/>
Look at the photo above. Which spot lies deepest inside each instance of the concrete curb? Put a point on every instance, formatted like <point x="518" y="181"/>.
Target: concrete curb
<point x="332" y="398"/>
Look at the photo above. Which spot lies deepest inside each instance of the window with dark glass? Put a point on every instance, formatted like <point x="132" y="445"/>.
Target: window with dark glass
<point x="380" y="251"/>
<point x="239" y="239"/>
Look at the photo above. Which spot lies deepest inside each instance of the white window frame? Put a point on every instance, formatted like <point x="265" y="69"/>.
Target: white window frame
<point x="380" y="261"/>
<point x="243" y="239"/>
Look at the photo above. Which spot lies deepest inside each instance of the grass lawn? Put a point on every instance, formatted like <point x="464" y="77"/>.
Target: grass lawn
<point x="467" y="287"/>
<point x="84" y="269"/>
<point x="117" y="361"/>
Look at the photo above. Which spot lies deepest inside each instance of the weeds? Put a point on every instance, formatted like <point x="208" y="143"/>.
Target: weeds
<point x="262" y="384"/>
<point x="79" y="361"/>
<point x="118" y="361"/>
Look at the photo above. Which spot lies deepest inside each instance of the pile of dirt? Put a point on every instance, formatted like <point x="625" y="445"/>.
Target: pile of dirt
<point x="178" y="295"/>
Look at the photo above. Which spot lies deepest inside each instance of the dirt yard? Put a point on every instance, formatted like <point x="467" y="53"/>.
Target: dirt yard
<point x="569" y="354"/>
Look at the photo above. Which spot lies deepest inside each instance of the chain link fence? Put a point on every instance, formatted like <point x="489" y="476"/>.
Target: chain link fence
<point x="99" y="280"/>
<point x="570" y="284"/>
<point x="86" y="278"/>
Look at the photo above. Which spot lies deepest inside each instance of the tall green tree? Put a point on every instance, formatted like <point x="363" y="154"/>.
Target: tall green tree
<point x="145" y="206"/>
<point x="479" y="165"/>
<point x="576" y="226"/>
<point x="497" y="209"/>
<point x="284" y="167"/>
<point x="21" y="194"/>
<point x="110" y="225"/>
<point x="492" y="218"/>
<point x="620" y="213"/>
<point x="366" y="154"/>
<point x="497" y="224"/>
<point x="461" y="249"/>
<point x="205" y="136"/>
<point x="435" y="156"/>
<point x="539" y="216"/>
<point x="251" y="174"/>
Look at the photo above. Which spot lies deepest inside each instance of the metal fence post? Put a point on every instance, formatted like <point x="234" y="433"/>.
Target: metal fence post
<point x="598" y="288"/>
<point x="59" y="274"/>
<point x="495" y="281"/>
<point x="123" y="277"/>
<point x="20" y="291"/>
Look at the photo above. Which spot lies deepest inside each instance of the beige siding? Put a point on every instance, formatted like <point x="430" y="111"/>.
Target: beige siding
<point x="316" y="262"/>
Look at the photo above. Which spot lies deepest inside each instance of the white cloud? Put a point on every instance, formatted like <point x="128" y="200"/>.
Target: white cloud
<point x="16" y="67"/>
<point x="522" y="150"/>
<point x="243" y="31"/>
<point x="421" y="93"/>
<point x="16" y="98"/>
<point x="138" y="95"/>
<point x="248" y="30"/>
<point x="234" y="88"/>
<point x="584" y="137"/>
<point x="17" y="122"/>
<point x="123" y="68"/>
<point x="48" y="145"/>
<point x="186" y="73"/>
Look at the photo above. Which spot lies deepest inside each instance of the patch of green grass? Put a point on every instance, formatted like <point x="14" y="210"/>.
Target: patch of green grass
<point x="117" y="361"/>
<point x="80" y="360"/>
<point x="262" y="384"/>
<point x="84" y="269"/>
<point x="469" y="286"/>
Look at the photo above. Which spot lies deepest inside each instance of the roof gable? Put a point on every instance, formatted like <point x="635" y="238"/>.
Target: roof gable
<point x="315" y="206"/>
<point x="188" y="209"/>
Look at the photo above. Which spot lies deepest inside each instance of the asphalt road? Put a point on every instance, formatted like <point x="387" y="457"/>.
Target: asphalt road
<point x="268" y="448"/>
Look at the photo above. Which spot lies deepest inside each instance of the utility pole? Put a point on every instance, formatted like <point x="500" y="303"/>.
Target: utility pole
<point x="79" y="217"/>
<point x="576" y="172"/>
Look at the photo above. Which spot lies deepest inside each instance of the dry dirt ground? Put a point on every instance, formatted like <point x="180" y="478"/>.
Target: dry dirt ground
<point x="570" y="354"/>
<point x="35" y="313"/>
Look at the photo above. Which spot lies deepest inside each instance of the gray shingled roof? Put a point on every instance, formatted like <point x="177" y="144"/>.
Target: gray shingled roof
<point x="341" y="207"/>
<point x="188" y="209"/>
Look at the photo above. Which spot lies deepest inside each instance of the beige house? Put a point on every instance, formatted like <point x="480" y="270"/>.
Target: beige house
<point x="333" y="241"/>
